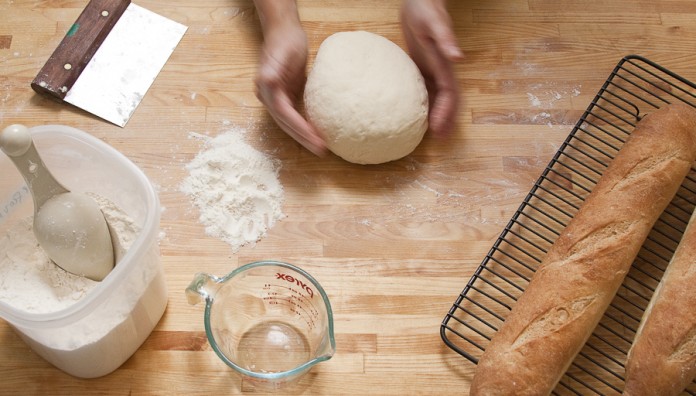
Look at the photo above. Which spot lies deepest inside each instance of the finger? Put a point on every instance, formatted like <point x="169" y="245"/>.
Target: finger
<point x="447" y="45"/>
<point x="446" y="41"/>
<point x="443" y="113"/>
<point x="442" y="90"/>
<point x="446" y="101"/>
<point x="420" y="51"/>
<point x="290" y="120"/>
<point x="442" y="33"/>
<point x="270" y="92"/>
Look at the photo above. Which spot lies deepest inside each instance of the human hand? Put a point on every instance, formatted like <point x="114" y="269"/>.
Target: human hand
<point x="281" y="77"/>
<point x="427" y="29"/>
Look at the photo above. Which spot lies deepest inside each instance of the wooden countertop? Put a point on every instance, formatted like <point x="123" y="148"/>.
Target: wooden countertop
<point x="394" y="244"/>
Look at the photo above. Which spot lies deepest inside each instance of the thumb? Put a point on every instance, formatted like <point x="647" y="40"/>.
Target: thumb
<point x="445" y="40"/>
<point x="447" y="45"/>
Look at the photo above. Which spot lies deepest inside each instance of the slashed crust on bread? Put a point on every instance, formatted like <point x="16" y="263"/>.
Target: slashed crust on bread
<point x="586" y="265"/>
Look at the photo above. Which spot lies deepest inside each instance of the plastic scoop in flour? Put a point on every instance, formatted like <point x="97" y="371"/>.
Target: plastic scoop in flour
<point x="69" y="226"/>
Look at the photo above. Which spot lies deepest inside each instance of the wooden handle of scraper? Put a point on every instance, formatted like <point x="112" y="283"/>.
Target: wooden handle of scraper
<point x="78" y="46"/>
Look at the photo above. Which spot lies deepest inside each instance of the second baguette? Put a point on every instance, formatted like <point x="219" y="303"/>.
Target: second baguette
<point x="586" y="265"/>
<point x="662" y="360"/>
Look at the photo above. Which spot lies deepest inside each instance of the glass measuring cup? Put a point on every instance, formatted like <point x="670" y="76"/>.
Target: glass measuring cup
<point x="268" y="320"/>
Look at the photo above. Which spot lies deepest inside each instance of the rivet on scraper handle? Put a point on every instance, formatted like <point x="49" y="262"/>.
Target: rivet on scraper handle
<point x="78" y="46"/>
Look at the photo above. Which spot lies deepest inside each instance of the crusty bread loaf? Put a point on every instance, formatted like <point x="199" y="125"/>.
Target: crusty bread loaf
<point x="584" y="268"/>
<point x="662" y="360"/>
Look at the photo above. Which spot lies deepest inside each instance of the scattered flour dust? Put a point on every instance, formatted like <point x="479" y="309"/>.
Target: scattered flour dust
<point x="235" y="188"/>
<point x="545" y="96"/>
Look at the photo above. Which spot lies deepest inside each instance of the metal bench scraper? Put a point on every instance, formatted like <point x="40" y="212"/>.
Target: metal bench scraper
<point x="109" y="59"/>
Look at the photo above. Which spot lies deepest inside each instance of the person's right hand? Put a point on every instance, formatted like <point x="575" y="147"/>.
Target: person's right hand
<point x="281" y="78"/>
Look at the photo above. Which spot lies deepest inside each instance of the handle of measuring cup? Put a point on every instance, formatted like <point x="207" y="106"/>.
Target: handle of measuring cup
<point x="202" y="288"/>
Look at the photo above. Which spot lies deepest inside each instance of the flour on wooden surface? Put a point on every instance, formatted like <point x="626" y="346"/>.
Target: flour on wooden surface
<point x="544" y="96"/>
<point x="235" y="188"/>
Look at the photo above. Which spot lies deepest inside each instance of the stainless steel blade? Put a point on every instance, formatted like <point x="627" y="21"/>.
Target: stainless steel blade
<point x="126" y="64"/>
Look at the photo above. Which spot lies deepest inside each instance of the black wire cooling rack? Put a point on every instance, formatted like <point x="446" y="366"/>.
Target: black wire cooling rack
<point x="637" y="86"/>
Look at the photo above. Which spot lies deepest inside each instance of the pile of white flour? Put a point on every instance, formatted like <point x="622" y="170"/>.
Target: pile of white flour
<point x="235" y="188"/>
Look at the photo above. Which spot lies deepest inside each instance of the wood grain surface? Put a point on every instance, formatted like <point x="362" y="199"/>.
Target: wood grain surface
<point x="394" y="244"/>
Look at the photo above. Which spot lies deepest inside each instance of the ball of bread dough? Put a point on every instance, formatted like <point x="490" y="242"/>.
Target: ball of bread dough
<point x="368" y="97"/>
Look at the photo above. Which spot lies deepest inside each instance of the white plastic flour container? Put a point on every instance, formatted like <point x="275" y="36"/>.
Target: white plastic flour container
<point x="100" y="331"/>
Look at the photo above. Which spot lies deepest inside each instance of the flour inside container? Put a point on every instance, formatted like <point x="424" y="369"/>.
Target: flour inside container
<point x="31" y="282"/>
<point x="100" y="342"/>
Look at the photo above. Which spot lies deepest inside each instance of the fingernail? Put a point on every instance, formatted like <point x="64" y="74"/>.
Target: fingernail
<point x="455" y="53"/>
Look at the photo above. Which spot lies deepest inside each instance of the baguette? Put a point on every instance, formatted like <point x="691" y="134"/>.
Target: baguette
<point x="583" y="269"/>
<point x="662" y="360"/>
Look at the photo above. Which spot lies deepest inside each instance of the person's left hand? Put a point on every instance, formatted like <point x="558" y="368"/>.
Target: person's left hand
<point x="427" y="29"/>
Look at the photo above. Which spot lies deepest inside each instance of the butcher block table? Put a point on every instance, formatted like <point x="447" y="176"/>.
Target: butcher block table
<point x="392" y="244"/>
